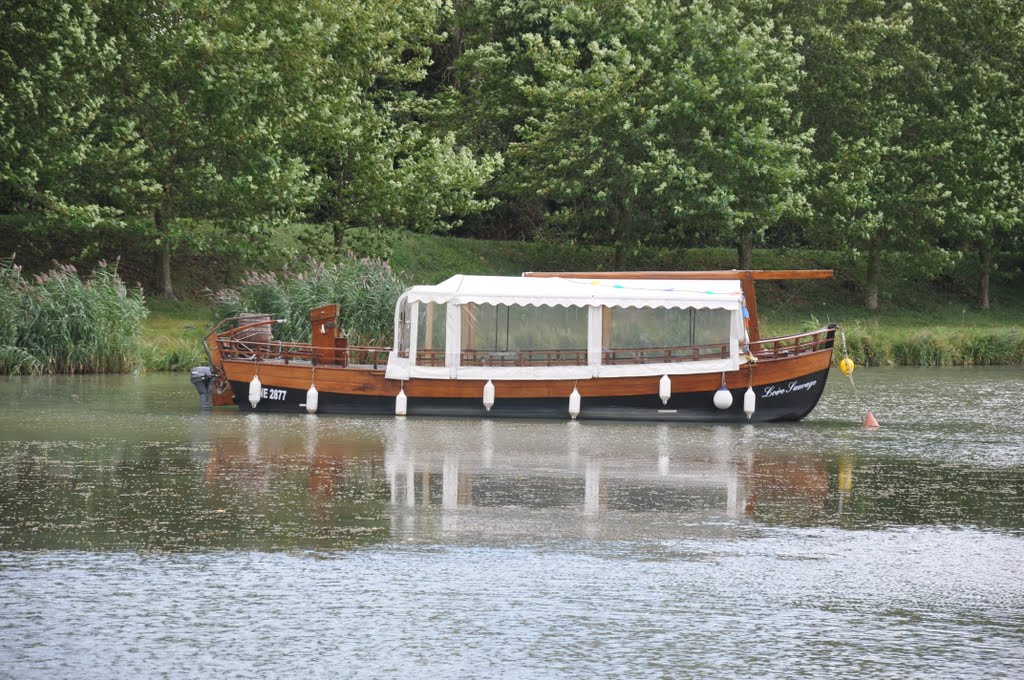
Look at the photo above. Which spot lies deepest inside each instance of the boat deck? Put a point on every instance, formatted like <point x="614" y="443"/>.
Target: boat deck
<point x="374" y="358"/>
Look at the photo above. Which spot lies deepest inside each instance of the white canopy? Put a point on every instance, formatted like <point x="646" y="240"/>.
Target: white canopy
<point x="514" y="290"/>
<point x="591" y="294"/>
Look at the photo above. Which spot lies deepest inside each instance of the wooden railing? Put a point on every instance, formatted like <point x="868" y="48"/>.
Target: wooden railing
<point x="791" y="345"/>
<point x="573" y="357"/>
<point x="537" y="357"/>
<point x="663" y="355"/>
<point x="430" y="357"/>
<point x="287" y="352"/>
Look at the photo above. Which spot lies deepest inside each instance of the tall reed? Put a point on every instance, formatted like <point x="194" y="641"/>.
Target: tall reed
<point x="62" y="323"/>
<point x="941" y="346"/>
<point x="366" y="290"/>
<point x="174" y="354"/>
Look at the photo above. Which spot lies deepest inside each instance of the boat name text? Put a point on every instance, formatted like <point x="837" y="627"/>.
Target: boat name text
<point x="273" y="394"/>
<point x="775" y="390"/>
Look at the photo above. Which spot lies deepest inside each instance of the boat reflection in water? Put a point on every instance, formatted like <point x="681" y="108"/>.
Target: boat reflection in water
<point x="428" y="479"/>
<point x="367" y="480"/>
<point x="614" y="482"/>
<point x="250" y="461"/>
<point x="300" y="487"/>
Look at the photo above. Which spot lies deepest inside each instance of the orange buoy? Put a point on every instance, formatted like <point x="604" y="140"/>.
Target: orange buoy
<point x="870" y="422"/>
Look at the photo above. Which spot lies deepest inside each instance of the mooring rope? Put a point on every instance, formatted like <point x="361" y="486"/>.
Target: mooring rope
<point x="846" y="365"/>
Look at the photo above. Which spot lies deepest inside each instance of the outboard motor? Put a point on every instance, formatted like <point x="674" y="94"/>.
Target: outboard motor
<point x="202" y="377"/>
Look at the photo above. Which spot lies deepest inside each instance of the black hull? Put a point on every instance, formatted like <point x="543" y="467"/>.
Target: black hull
<point x="788" y="400"/>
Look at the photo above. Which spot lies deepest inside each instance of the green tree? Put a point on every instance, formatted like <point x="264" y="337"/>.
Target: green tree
<point x="53" y="135"/>
<point x="382" y="167"/>
<point x="214" y="95"/>
<point x="980" y="49"/>
<point x="868" y="94"/>
<point x="639" y="120"/>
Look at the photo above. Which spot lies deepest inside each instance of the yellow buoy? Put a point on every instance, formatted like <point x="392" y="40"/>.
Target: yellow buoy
<point x="847" y="366"/>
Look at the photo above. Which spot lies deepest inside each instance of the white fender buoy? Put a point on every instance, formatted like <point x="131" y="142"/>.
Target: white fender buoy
<point x="488" y="395"/>
<point x="574" y="403"/>
<point x="748" y="402"/>
<point x="723" y="398"/>
<point x="665" y="389"/>
<point x="312" y="399"/>
<point x="401" y="402"/>
<point x="255" y="390"/>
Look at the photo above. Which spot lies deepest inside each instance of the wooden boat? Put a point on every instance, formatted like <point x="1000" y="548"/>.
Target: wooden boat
<point x="665" y="346"/>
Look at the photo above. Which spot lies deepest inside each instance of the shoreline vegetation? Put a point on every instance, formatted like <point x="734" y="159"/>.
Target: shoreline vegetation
<point x="61" y="320"/>
<point x="203" y="143"/>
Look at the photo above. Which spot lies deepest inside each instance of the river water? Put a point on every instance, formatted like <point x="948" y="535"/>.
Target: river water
<point x="140" y="538"/>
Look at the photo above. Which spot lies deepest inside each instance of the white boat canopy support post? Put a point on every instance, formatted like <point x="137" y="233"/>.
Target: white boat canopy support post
<point x="518" y="328"/>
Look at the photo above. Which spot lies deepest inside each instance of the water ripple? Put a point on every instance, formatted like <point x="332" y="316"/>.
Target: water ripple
<point x="139" y="538"/>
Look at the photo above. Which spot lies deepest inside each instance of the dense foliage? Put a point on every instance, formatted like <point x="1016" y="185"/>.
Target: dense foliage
<point x="365" y="289"/>
<point x="61" y="323"/>
<point x="860" y="125"/>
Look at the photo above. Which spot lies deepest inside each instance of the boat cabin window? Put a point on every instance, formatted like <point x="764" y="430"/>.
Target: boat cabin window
<point x="711" y="327"/>
<point x="646" y="335"/>
<point x="430" y="335"/>
<point x="643" y="328"/>
<point x="404" y="325"/>
<point x="517" y="335"/>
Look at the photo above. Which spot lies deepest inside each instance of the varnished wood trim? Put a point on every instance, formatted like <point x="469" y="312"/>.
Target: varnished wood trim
<point x="363" y="381"/>
<point x="750" y="300"/>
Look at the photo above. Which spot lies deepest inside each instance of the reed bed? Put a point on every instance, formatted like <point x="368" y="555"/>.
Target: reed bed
<point x="60" y="322"/>
<point x="939" y="346"/>
<point x="366" y="290"/>
<point x="174" y="354"/>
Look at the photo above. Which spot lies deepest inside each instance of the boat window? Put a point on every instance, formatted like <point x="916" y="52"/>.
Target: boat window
<point x="644" y="328"/>
<point x="430" y="336"/>
<point x="711" y="327"/>
<point x="523" y="334"/>
<point x="646" y="335"/>
<point x="403" y="330"/>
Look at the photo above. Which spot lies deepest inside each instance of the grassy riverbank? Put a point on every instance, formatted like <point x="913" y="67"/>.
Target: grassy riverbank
<point x="923" y="321"/>
<point x="173" y="334"/>
<point x="920" y="324"/>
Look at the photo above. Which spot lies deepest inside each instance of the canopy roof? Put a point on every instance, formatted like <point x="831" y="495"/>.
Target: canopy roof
<point x="570" y="292"/>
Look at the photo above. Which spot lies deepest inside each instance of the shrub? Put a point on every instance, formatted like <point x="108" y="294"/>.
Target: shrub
<point x="366" y="290"/>
<point x="60" y="323"/>
<point x="173" y="354"/>
<point x="935" y="347"/>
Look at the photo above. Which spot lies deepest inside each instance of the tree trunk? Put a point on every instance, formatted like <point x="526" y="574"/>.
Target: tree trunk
<point x="457" y="37"/>
<point x="623" y="231"/>
<point x="619" y="255"/>
<point x="984" y="269"/>
<point x="874" y="271"/>
<point x="745" y="251"/>
<point x="162" y="268"/>
<point x="339" y="237"/>
<point x="164" y="286"/>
